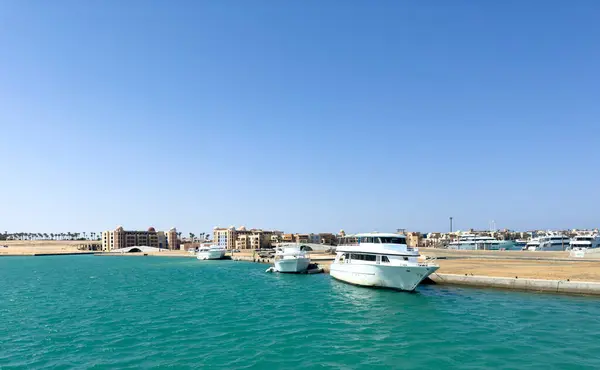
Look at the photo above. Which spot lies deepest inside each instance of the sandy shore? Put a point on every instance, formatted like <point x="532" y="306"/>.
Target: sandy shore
<point x="33" y="247"/>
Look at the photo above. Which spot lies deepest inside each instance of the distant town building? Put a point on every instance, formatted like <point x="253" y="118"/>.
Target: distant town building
<point x="225" y="237"/>
<point x="414" y="239"/>
<point x="120" y="238"/>
<point x="242" y="238"/>
<point x="328" y="239"/>
<point x="314" y="238"/>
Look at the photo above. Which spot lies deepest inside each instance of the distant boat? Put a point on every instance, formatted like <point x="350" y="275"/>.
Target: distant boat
<point x="478" y="242"/>
<point x="210" y="252"/>
<point x="379" y="260"/>
<point x="520" y="244"/>
<point x="552" y="242"/>
<point x="532" y="245"/>
<point x="584" y="242"/>
<point x="291" y="259"/>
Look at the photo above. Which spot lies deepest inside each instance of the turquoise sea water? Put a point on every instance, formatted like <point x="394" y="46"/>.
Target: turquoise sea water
<point x="143" y="312"/>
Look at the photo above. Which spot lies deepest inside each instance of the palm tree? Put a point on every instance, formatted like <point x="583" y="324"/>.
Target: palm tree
<point x="192" y="235"/>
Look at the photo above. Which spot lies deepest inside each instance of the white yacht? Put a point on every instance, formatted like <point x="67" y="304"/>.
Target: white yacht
<point x="380" y="260"/>
<point x="532" y="245"/>
<point x="583" y="242"/>
<point x="520" y="244"/>
<point x="210" y="252"/>
<point x="479" y="242"/>
<point x="291" y="258"/>
<point x="553" y="242"/>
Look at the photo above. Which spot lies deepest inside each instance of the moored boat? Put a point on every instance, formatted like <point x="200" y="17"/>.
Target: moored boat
<point x="585" y="241"/>
<point x="553" y="242"/>
<point x="210" y="252"/>
<point x="379" y="260"/>
<point x="532" y="245"/>
<point x="291" y="259"/>
<point x="480" y="242"/>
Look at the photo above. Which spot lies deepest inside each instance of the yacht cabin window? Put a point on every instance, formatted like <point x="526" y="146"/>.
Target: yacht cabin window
<point x="389" y="240"/>
<point x="384" y="259"/>
<point x="363" y="257"/>
<point x="352" y="240"/>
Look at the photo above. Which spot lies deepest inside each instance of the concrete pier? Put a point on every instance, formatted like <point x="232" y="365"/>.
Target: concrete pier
<point x="540" y="285"/>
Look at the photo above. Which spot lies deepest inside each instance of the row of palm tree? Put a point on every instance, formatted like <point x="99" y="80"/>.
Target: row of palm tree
<point x="201" y="237"/>
<point x="51" y="236"/>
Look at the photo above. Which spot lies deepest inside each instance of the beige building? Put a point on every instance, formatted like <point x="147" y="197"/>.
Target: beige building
<point x="120" y="238"/>
<point x="328" y="239"/>
<point x="253" y="239"/>
<point x="225" y="237"/>
<point x="242" y="241"/>
<point x="242" y="238"/>
<point x="414" y="239"/>
<point x="276" y="237"/>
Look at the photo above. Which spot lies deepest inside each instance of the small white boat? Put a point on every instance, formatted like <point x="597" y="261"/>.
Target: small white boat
<point x="520" y="244"/>
<point x="532" y="245"/>
<point x="380" y="260"/>
<point x="291" y="259"/>
<point x="213" y="252"/>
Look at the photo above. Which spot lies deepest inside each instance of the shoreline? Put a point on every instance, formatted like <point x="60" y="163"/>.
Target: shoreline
<point x="552" y="273"/>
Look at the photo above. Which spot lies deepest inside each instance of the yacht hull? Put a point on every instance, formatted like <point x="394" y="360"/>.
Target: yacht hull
<point x="386" y="276"/>
<point x="211" y="255"/>
<point x="292" y="265"/>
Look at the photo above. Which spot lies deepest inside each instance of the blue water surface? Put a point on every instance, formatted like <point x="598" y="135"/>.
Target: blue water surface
<point x="157" y="312"/>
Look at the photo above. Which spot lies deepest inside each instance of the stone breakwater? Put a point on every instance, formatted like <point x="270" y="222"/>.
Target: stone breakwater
<point x="539" y="285"/>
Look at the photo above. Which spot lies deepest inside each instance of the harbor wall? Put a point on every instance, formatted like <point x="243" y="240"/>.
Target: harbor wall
<point x="541" y="285"/>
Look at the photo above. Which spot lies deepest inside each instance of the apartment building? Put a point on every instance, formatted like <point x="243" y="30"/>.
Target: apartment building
<point x="225" y="237"/>
<point x="242" y="238"/>
<point x="120" y="238"/>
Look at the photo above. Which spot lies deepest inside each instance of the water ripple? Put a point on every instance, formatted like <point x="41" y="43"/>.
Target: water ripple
<point x="131" y="312"/>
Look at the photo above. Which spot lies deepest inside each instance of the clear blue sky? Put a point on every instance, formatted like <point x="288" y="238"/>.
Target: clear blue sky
<point x="305" y="116"/>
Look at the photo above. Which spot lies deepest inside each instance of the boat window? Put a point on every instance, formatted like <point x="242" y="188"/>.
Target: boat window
<point x="390" y="240"/>
<point x="384" y="259"/>
<point x="363" y="257"/>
